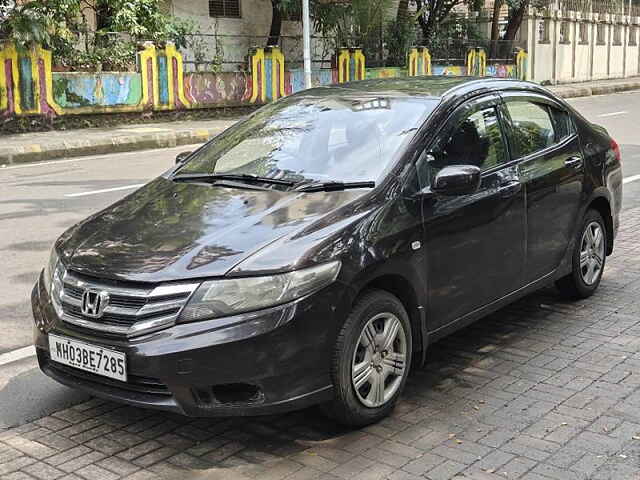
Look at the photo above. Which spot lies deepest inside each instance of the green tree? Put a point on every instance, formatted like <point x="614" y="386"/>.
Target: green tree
<point x="280" y="8"/>
<point x="359" y="23"/>
<point x="431" y="13"/>
<point x="63" y="26"/>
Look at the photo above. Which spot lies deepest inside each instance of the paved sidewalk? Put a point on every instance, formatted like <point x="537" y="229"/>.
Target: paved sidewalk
<point x="44" y="146"/>
<point x="544" y="389"/>
<point x="603" y="87"/>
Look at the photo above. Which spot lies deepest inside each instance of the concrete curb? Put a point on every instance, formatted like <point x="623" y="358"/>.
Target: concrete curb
<point x="570" y="91"/>
<point x="40" y="152"/>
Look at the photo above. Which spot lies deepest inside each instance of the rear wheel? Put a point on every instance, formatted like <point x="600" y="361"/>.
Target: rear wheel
<point x="371" y="360"/>
<point x="588" y="261"/>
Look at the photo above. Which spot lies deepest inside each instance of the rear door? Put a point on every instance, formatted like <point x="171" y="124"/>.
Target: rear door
<point x="543" y="139"/>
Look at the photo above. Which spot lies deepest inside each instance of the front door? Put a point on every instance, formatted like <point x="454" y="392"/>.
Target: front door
<point x="474" y="243"/>
<point x="543" y="137"/>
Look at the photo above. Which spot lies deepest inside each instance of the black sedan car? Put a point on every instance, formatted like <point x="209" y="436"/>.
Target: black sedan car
<point x="312" y="252"/>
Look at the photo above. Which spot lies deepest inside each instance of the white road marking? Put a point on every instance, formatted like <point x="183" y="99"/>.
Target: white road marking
<point x="104" y="190"/>
<point x="633" y="178"/>
<point x="612" y="114"/>
<point x="19" y="354"/>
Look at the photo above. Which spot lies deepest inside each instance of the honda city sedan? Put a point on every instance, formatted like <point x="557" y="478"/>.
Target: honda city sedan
<point x="312" y="252"/>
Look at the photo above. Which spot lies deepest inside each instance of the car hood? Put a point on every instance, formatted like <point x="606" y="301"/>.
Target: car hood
<point x="172" y="231"/>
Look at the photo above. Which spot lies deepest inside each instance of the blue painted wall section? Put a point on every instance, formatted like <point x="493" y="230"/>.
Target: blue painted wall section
<point x="163" y="80"/>
<point x="27" y="97"/>
<point x="72" y="90"/>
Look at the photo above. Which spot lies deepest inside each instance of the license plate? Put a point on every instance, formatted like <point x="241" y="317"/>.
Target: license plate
<point x="87" y="357"/>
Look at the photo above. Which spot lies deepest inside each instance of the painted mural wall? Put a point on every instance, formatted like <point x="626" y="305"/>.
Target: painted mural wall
<point x="72" y="90"/>
<point x="204" y="89"/>
<point x="28" y="86"/>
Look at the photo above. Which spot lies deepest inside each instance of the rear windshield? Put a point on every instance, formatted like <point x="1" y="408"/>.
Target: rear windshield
<point x="334" y="138"/>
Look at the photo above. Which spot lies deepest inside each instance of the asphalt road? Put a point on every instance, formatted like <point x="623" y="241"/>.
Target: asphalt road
<point x="39" y="201"/>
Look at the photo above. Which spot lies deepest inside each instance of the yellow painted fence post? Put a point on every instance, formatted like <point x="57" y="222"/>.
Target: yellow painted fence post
<point x="419" y="61"/>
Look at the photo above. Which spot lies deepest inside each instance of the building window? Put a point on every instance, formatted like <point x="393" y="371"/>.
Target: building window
<point x="600" y="40"/>
<point x="633" y="36"/>
<point x="543" y="31"/>
<point x="224" y="8"/>
<point x="565" y="32"/>
<point x="584" y="33"/>
<point x="617" y="35"/>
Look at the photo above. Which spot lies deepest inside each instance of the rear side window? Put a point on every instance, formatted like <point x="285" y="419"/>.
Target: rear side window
<point x="563" y="124"/>
<point x="532" y="127"/>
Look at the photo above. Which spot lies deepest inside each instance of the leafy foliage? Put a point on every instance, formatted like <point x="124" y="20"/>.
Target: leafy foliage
<point x="360" y="23"/>
<point x="65" y="27"/>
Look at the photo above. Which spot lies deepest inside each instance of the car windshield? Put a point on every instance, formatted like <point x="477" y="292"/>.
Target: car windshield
<point x="309" y="139"/>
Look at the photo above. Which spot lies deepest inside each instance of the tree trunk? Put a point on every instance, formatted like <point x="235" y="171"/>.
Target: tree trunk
<point x="422" y="21"/>
<point x="403" y="9"/>
<point x="276" y="24"/>
<point x="495" y="28"/>
<point x="515" y="21"/>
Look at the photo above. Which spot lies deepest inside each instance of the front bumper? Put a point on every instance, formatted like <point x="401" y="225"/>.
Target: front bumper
<point x="252" y="364"/>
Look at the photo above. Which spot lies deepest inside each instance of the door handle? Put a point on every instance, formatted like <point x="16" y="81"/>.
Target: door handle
<point x="574" y="162"/>
<point x="510" y="189"/>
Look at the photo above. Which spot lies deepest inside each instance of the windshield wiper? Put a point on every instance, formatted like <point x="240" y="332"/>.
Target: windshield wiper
<point x="334" y="186"/>
<point x="242" y="177"/>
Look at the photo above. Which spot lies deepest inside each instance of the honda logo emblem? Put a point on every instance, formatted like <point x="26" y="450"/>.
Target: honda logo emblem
<point x="94" y="302"/>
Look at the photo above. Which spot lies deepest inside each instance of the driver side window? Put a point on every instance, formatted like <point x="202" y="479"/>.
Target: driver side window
<point x="477" y="140"/>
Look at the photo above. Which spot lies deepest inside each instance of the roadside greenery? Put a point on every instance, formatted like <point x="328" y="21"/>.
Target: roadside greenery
<point x="93" y="35"/>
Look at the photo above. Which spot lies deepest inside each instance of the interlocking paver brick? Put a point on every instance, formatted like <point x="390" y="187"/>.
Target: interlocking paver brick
<point x="517" y="467"/>
<point x="118" y="466"/>
<point x="543" y="389"/>
<point x="94" y="472"/>
<point x="31" y="448"/>
<point x="423" y="464"/>
<point x="67" y="455"/>
<point x="445" y="471"/>
<point x="494" y="460"/>
<point x="139" y="450"/>
<point x="82" y="461"/>
<point x="15" y="465"/>
<point x="43" y="471"/>
<point x="154" y="457"/>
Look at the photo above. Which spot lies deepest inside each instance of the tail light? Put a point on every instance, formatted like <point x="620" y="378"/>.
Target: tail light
<point x="616" y="150"/>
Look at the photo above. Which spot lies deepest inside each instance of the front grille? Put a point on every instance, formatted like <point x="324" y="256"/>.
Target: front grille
<point x="131" y="309"/>
<point x="134" y="383"/>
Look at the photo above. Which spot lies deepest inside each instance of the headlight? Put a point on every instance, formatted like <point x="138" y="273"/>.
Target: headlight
<point x="221" y="298"/>
<point x="50" y="269"/>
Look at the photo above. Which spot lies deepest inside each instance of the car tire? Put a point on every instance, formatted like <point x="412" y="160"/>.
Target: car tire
<point x="382" y="364"/>
<point x="588" y="254"/>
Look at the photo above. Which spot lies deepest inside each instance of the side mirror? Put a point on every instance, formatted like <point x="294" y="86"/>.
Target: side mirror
<point x="457" y="180"/>
<point x="181" y="157"/>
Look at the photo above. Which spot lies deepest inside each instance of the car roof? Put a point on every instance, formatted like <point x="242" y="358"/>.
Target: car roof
<point x="434" y="86"/>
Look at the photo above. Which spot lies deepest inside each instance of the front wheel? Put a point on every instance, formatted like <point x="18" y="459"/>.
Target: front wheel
<point x="371" y="360"/>
<point x="588" y="261"/>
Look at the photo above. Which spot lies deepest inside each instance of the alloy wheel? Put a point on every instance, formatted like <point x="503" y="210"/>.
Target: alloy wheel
<point x="592" y="253"/>
<point x="379" y="360"/>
